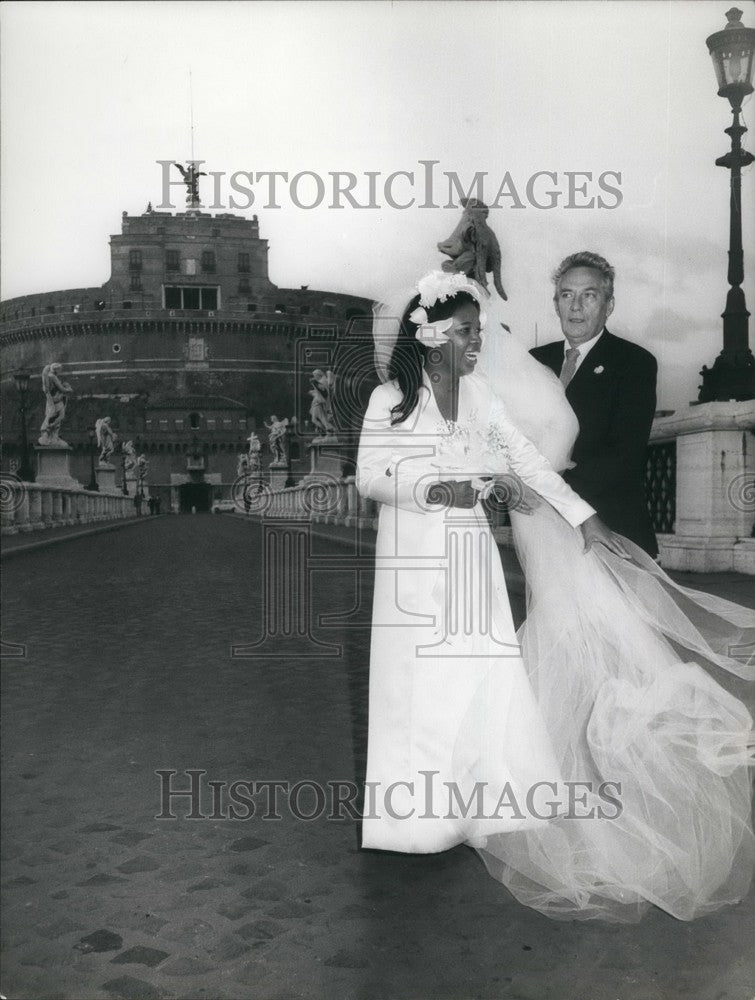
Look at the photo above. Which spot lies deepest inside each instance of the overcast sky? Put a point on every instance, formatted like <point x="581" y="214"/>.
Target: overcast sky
<point x="95" y="93"/>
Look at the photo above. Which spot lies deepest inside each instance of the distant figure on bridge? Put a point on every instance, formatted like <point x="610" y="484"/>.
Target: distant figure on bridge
<point x="56" y="398"/>
<point x="151" y="503"/>
<point x="105" y="439"/>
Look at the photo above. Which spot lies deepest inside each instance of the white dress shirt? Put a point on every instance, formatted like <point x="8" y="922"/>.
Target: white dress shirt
<point x="584" y="349"/>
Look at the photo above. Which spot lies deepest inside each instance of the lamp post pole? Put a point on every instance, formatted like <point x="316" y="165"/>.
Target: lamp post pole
<point x="732" y="376"/>
<point x="93" y="484"/>
<point x="25" y="471"/>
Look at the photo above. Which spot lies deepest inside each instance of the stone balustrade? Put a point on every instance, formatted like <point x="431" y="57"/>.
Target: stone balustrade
<point x="324" y="501"/>
<point x="701" y="491"/>
<point x="34" y="507"/>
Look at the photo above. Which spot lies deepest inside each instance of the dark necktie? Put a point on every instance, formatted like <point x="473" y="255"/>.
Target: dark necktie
<point x="569" y="366"/>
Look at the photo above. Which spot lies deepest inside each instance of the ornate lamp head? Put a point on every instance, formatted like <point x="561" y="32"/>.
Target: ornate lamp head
<point x="732" y="53"/>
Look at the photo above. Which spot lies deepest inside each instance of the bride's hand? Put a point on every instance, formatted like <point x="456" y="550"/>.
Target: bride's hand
<point x="450" y="493"/>
<point x="513" y="493"/>
<point x="595" y="532"/>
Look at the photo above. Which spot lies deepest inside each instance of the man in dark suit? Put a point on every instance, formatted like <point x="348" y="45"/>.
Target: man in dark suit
<point x="610" y="384"/>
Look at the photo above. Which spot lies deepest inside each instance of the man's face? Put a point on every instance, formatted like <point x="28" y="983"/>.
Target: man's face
<point x="582" y="304"/>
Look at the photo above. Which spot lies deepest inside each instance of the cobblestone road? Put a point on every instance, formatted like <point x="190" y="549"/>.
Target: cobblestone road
<point x="127" y="672"/>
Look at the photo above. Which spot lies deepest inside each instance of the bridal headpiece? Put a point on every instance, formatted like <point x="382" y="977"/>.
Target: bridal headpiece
<point x="437" y="286"/>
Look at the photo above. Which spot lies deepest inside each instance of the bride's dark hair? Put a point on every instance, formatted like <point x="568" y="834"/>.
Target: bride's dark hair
<point x="408" y="357"/>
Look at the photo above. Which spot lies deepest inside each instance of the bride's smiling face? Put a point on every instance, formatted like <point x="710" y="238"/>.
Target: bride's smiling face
<point x="459" y="354"/>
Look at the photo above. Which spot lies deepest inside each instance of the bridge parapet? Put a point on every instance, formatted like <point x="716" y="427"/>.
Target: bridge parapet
<point x="34" y="507"/>
<point x="319" y="500"/>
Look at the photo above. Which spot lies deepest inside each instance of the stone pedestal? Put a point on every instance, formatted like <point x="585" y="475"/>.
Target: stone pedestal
<point x="326" y="459"/>
<point x="715" y="472"/>
<point x="54" y="466"/>
<point x="278" y="477"/>
<point x="106" y="478"/>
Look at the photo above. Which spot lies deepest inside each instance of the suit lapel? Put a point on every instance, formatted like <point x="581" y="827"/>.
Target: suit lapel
<point x="596" y="357"/>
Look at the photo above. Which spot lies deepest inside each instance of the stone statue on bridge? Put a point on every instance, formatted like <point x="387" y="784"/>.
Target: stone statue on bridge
<point x="105" y="439"/>
<point x="253" y="454"/>
<point x="321" y="408"/>
<point x="473" y="246"/>
<point x="56" y="399"/>
<point x="129" y="459"/>
<point x="277" y="440"/>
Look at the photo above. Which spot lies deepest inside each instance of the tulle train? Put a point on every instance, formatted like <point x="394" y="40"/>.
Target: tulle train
<point x="615" y="653"/>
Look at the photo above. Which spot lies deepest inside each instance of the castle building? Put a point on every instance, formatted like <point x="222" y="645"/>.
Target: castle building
<point x="188" y="347"/>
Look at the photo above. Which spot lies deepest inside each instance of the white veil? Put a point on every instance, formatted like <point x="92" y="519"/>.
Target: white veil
<point x="615" y="652"/>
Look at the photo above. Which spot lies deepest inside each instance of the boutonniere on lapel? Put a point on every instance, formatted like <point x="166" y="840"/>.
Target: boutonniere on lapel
<point x="599" y="370"/>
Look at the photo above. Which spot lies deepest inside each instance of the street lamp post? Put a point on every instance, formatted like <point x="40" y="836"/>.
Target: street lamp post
<point x="733" y="373"/>
<point x="93" y="484"/>
<point x="25" y="471"/>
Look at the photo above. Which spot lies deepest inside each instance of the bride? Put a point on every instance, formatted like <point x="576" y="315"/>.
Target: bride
<point x="590" y="762"/>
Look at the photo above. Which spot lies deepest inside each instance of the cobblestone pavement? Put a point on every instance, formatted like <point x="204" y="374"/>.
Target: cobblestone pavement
<point x="127" y="672"/>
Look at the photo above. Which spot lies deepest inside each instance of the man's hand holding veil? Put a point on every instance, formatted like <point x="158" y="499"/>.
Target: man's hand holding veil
<point x="595" y="532"/>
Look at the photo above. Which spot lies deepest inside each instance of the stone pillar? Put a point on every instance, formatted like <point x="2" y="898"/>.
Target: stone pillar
<point x="57" y="507"/>
<point x="278" y="477"/>
<point x="68" y="517"/>
<point x="715" y="479"/>
<point x="9" y="510"/>
<point x="35" y="508"/>
<point x="54" y="466"/>
<point x="106" y="477"/>
<point x="47" y="513"/>
<point x="23" y="514"/>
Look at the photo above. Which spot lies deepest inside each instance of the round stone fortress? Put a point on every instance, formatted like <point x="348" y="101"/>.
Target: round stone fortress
<point x="188" y="347"/>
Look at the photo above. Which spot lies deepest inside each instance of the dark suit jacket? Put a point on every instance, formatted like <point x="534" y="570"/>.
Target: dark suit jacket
<point x="615" y="408"/>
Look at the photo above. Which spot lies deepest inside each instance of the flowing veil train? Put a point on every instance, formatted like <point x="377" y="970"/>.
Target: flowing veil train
<point x="615" y="651"/>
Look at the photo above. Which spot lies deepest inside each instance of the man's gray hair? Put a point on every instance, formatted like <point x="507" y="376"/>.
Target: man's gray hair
<point x="586" y="258"/>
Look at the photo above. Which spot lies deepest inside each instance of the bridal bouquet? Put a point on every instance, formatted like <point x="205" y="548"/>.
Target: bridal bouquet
<point x="466" y="449"/>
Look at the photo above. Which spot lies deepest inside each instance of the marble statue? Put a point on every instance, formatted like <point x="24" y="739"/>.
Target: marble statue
<point x="56" y="398"/>
<point x="321" y="407"/>
<point x="105" y="439"/>
<point x="242" y="465"/>
<point x="473" y="246"/>
<point x="277" y="440"/>
<point x="142" y="467"/>
<point x="253" y="455"/>
<point x="129" y="457"/>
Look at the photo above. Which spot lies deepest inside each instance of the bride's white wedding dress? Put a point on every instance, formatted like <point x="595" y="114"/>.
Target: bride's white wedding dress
<point x="601" y="771"/>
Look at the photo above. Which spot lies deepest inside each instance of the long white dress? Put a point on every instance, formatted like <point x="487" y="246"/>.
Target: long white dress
<point x="638" y="757"/>
<point x="442" y="631"/>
